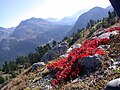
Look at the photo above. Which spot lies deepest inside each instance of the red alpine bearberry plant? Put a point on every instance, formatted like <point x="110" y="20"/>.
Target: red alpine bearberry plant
<point x="67" y="68"/>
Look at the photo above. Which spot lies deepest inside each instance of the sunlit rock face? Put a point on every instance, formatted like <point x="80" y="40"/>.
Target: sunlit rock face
<point x="55" y="52"/>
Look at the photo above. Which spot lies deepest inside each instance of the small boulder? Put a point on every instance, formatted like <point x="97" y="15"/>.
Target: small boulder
<point x="113" y="84"/>
<point x="56" y="52"/>
<point x="37" y="65"/>
<point x="90" y="63"/>
<point x="73" y="47"/>
<point x="108" y="34"/>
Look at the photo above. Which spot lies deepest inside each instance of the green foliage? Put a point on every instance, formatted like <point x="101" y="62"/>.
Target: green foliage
<point x="111" y="14"/>
<point x="71" y="42"/>
<point x="91" y="23"/>
<point x="54" y="43"/>
<point x="105" y="25"/>
<point x="107" y="22"/>
<point x="11" y="66"/>
<point x="6" y="78"/>
<point x="20" y="60"/>
<point x="2" y="80"/>
<point x="111" y="18"/>
<point x="13" y="74"/>
<point x="34" y="57"/>
<point x="117" y="71"/>
<point x="83" y="34"/>
<point x="65" y="38"/>
<point x="75" y="36"/>
<point x="80" y="30"/>
<point x="25" y="62"/>
<point x="98" y="26"/>
<point x="19" y="70"/>
<point x="5" y="67"/>
<point x="88" y="25"/>
<point x="91" y="32"/>
<point x="37" y="56"/>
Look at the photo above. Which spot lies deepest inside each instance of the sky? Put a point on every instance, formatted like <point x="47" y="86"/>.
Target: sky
<point x="12" y="12"/>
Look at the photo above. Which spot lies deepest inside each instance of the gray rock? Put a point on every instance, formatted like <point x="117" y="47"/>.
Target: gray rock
<point x="90" y="63"/>
<point x="113" y="84"/>
<point x="73" y="47"/>
<point x="45" y="83"/>
<point x="55" y="52"/>
<point x="99" y="33"/>
<point x="105" y="47"/>
<point x="107" y="35"/>
<point x="37" y="65"/>
<point x="64" y="56"/>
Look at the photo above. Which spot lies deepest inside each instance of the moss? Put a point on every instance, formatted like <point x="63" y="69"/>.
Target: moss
<point x="117" y="71"/>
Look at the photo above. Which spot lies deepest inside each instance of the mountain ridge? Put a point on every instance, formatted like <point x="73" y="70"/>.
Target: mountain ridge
<point x="28" y="35"/>
<point x="96" y="13"/>
<point x="32" y="32"/>
<point x="85" y="64"/>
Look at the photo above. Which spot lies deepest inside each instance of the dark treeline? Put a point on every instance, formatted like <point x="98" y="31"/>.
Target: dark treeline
<point x="23" y="62"/>
<point x="13" y="68"/>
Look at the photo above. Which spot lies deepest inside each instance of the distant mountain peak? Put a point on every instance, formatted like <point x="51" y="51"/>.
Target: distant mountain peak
<point x="1" y="28"/>
<point x="33" y="20"/>
<point x="52" y="19"/>
<point x="96" y="13"/>
<point x="96" y="8"/>
<point x="36" y="19"/>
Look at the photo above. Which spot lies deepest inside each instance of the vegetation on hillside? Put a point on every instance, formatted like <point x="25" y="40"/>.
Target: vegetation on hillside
<point x="23" y="62"/>
<point x="13" y="68"/>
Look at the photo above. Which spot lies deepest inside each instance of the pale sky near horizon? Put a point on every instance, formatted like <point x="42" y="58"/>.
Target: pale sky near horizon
<point x="12" y="12"/>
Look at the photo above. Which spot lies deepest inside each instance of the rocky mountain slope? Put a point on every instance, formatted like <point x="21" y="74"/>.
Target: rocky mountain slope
<point x="89" y="63"/>
<point x="70" y="20"/>
<point x="34" y="32"/>
<point x="96" y="13"/>
<point x="28" y="35"/>
<point x="33" y="27"/>
<point x="5" y="32"/>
